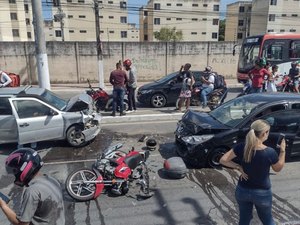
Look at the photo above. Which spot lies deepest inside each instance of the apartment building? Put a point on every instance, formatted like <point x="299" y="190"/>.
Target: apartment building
<point x="16" y="21"/>
<point x="197" y="19"/>
<point x="75" y="21"/>
<point x="275" y="16"/>
<point x="238" y="18"/>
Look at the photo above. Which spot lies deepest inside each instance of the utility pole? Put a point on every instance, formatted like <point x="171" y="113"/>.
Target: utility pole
<point x="59" y="17"/>
<point x="40" y="45"/>
<point x="99" y="47"/>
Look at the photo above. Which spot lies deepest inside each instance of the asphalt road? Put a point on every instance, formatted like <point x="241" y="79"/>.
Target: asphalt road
<point x="204" y="196"/>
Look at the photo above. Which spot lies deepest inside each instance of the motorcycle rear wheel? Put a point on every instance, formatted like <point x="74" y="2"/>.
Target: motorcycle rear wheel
<point x="76" y="186"/>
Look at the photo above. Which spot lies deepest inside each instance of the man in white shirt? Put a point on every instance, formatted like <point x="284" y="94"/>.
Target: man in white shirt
<point x="4" y="79"/>
<point x="207" y="85"/>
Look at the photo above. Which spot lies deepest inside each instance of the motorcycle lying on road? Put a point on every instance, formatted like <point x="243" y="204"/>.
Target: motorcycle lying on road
<point x="103" y="100"/>
<point x="214" y="99"/>
<point x="113" y="172"/>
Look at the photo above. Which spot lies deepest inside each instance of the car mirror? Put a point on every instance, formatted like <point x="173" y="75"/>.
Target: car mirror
<point x="52" y="112"/>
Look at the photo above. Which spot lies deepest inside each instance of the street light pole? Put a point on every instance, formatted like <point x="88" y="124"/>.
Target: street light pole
<point x="40" y="45"/>
<point x="99" y="47"/>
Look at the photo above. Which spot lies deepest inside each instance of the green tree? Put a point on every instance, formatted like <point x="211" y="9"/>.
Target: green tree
<point x="168" y="34"/>
<point x="222" y="25"/>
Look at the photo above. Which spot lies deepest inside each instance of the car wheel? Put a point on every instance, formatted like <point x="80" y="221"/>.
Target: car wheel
<point x="214" y="158"/>
<point x="158" y="100"/>
<point x="75" y="137"/>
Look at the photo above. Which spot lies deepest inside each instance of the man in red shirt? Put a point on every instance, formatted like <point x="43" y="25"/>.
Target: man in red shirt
<point x="257" y="74"/>
<point x="118" y="78"/>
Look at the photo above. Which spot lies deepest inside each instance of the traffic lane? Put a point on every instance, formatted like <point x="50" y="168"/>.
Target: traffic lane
<point x="205" y="196"/>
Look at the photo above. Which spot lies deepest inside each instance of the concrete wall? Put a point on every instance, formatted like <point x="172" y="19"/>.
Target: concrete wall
<point x="74" y="62"/>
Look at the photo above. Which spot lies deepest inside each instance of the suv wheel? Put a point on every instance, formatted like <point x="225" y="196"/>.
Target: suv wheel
<point x="214" y="158"/>
<point x="158" y="100"/>
<point x="75" y="136"/>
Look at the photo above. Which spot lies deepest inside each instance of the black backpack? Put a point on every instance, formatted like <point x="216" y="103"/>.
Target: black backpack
<point x="219" y="81"/>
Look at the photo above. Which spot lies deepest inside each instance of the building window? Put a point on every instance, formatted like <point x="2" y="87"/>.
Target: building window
<point x="81" y="16"/>
<point x="204" y="5"/>
<point x="82" y="31"/>
<point x="102" y="31"/>
<point x="157" y="6"/>
<point x="123" y="19"/>
<point x="110" y="2"/>
<point x="80" y="1"/>
<point x="145" y="26"/>
<point x="282" y="30"/>
<point x="178" y="18"/>
<point x="111" y="32"/>
<point x="241" y="23"/>
<point x="216" y="8"/>
<point x="178" y="4"/>
<point x="203" y="33"/>
<point x="71" y="31"/>
<point x="101" y="17"/>
<point x="69" y="1"/>
<point x="273" y="2"/>
<point x="271" y="17"/>
<point x="195" y="5"/>
<point x="193" y="33"/>
<point x="110" y="17"/>
<point x="12" y="1"/>
<point x="27" y="21"/>
<point x="292" y="30"/>
<point x="145" y="37"/>
<point x="168" y="18"/>
<point x="123" y="34"/>
<point x="194" y="19"/>
<point x="123" y="5"/>
<point x="294" y="15"/>
<point x="204" y="19"/>
<point x="215" y="21"/>
<point x="271" y="30"/>
<point x="240" y="36"/>
<point x="242" y="9"/>
<point x="283" y="15"/>
<point x="26" y="8"/>
<point x="145" y="13"/>
<point x="156" y="21"/>
<point x="169" y="4"/>
<point x="29" y="35"/>
<point x="214" y="35"/>
<point x="70" y="16"/>
<point x="13" y="16"/>
<point x="58" y="33"/>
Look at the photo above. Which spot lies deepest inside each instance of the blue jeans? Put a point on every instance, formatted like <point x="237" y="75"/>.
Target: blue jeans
<point x="260" y="198"/>
<point x="118" y="99"/>
<point x="203" y="95"/>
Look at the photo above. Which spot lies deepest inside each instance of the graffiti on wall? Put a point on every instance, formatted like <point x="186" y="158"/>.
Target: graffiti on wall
<point x="145" y="63"/>
<point x="225" y="60"/>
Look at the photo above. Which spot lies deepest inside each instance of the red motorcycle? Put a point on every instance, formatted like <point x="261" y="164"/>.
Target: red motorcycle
<point x="103" y="101"/>
<point x="112" y="172"/>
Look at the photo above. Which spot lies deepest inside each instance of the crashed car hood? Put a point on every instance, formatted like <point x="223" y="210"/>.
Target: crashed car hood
<point x="202" y="120"/>
<point x="79" y="102"/>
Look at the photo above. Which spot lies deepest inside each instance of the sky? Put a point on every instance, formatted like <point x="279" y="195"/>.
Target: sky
<point x="134" y="18"/>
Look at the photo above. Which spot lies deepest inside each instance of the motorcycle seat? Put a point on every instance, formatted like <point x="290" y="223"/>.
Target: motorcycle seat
<point x="133" y="161"/>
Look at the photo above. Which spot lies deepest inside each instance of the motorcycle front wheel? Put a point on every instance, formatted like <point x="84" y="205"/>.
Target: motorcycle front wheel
<point x="78" y="186"/>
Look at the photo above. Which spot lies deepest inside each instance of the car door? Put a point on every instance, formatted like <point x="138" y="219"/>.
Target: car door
<point x="173" y="88"/>
<point x="8" y="124"/>
<point x="36" y="120"/>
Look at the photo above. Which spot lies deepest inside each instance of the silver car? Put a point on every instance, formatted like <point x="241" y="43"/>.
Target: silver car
<point x="31" y="114"/>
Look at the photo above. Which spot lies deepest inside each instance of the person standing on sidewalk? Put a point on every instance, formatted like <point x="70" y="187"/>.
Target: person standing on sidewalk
<point x="118" y="78"/>
<point x="187" y="86"/>
<point x="131" y="85"/>
<point x="254" y="185"/>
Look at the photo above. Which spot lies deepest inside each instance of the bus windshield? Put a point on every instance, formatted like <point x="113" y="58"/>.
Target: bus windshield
<point x="248" y="55"/>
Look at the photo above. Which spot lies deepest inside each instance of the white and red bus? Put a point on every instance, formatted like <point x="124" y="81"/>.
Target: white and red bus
<point x="278" y="49"/>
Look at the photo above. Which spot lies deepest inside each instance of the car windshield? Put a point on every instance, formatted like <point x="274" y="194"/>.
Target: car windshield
<point x="167" y="77"/>
<point x="54" y="100"/>
<point x="233" y="112"/>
